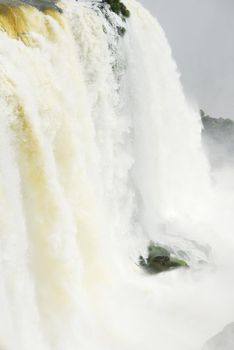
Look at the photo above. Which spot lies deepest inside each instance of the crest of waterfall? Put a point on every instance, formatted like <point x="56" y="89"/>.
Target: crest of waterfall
<point x="99" y="153"/>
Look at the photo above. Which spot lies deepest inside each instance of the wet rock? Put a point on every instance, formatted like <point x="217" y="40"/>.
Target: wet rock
<point x="39" y="4"/>
<point x="160" y="259"/>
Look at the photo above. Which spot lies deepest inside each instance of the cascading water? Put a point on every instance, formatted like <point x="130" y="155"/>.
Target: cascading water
<point x="100" y="153"/>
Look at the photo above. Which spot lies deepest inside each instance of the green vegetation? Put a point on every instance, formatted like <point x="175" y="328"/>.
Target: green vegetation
<point x="159" y="260"/>
<point x="118" y="7"/>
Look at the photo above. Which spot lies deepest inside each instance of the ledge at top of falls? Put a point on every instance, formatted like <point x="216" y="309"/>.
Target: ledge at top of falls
<point x="39" y="4"/>
<point x="20" y="19"/>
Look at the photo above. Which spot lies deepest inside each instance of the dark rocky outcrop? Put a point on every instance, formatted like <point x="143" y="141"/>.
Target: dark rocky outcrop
<point x="159" y="259"/>
<point x="218" y="139"/>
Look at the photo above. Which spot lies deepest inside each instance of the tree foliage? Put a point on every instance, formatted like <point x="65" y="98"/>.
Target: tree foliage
<point x="118" y="7"/>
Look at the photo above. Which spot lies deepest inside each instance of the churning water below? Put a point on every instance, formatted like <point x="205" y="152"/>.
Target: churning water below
<point x="99" y="154"/>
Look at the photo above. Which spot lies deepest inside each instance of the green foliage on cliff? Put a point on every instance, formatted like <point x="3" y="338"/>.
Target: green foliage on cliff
<point x="118" y="7"/>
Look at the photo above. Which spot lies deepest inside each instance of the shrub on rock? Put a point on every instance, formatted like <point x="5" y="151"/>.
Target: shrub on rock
<point x="159" y="259"/>
<point x="118" y="7"/>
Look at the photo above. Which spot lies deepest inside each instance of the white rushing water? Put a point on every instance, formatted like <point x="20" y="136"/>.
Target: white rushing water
<point x="99" y="154"/>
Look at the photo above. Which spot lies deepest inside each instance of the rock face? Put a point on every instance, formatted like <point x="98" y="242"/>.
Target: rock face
<point x="218" y="139"/>
<point x="223" y="340"/>
<point x="40" y="4"/>
<point x="160" y="259"/>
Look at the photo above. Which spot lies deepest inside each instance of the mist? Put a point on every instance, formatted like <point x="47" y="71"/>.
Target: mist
<point x="200" y="34"/>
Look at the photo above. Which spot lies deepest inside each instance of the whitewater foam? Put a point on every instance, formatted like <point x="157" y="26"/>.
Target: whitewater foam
<point x="100" y="153"/>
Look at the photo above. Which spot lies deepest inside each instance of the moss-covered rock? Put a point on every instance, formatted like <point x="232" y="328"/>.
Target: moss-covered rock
<point x="159" y="259"/>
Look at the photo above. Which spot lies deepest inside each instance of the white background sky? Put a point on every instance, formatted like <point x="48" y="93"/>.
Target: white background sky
<point x="201" y="34"/>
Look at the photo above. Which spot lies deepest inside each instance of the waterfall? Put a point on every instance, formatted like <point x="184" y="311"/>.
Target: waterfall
<point x="100" y="153"/>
